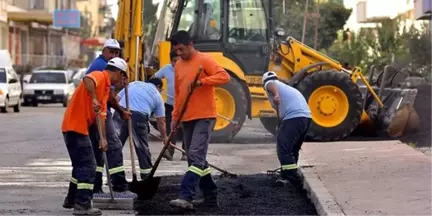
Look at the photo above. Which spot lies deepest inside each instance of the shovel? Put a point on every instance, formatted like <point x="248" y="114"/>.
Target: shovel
<point x="135" y="185"/>
<point x="99" y="121"/>
<point x="149" y="186"/>
<point x="224" y="172"/>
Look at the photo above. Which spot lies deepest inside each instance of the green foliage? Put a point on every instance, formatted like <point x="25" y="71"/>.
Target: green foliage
<point x="390" y="41"/>
<point x="333" y="16"/>
<point x="150" y="20"/>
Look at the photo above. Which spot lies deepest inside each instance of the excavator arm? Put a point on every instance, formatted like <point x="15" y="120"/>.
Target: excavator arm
<point x="129" y="29"/>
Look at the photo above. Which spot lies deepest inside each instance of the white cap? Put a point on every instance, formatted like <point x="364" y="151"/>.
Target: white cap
<point x="112" y="43"/>
<point x="118" y="63"/>
<point x="268" y="76"/>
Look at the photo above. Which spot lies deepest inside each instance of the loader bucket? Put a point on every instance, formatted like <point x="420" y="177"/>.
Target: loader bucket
<point x="398" y="116"/>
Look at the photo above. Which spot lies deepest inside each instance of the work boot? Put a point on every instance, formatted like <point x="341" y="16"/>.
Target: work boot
<point x="167" y="155"/>
<point x="183" y="157"/>
<point x="181" y="203"/>
<point x="81" y="210"/>
<point x="68" y="203"/>
<point x="207" y="202"/>
<point x="280" y="183"/>
<point x="294" y="178"/>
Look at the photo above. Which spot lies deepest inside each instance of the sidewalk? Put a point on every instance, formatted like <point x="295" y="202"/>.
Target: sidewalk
<point x="367" y="178"/>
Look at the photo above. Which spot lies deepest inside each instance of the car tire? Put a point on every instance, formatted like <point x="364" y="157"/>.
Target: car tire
<point x="17" y="107"/>
<point x="65" y="102"/>
<point x="4" y="109"/>
<point x="34" y="104"/>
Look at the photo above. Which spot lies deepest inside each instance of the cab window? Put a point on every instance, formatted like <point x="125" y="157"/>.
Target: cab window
<point x="206" y="25"/>
<point x="247" y="21"/>
<point x="2" y="75"/>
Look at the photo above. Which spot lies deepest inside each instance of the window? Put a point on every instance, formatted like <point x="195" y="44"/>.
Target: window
<point x="48" y="77"/>
<point x="2" y="75"/>
<point x="247" y="21"/>
<point x="187" y="16"/>
<point x="204" y="26"/>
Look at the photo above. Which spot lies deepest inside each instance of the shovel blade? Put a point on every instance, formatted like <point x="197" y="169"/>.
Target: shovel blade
<point x="145" y="189"/>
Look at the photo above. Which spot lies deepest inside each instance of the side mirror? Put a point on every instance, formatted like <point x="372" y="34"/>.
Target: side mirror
<point x="13" y="80"/>
<point x="280" y="32"/>
<point x="25" y="81"/>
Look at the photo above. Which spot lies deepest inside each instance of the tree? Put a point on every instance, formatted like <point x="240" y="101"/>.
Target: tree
<point x="150" y="20"/>
<point x="333" y="17"/>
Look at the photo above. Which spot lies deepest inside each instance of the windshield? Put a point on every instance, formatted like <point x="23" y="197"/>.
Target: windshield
<point x="2" y="76"/>
<point x="48" y="77"/>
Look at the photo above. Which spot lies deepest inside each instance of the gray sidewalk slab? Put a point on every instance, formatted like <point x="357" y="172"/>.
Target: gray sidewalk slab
<point x="368" y="178"/>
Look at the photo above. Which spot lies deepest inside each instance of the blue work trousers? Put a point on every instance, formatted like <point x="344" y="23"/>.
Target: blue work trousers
<point x="80" y="151"/>
<point x="290" y="137"/>
<point x="140" y="130"/>
<point x="114" y="156"/>
<point x="196" y="137"/>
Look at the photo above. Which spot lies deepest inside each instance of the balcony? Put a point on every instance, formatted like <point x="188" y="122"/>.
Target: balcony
<point x="372" y="11"/>
<point x="423" y="9"/>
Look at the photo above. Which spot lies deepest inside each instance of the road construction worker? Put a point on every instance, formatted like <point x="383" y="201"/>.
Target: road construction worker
<point x="294" y="120"/>
<point x="88" y="101"/>
<point x="198" y="120"/>
<point x="168" y="72"/>
<point x="144" y="98"/>
<point x="115" y="155"/>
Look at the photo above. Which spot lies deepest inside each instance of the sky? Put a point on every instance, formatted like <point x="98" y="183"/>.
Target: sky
<point x="114" y="6"/>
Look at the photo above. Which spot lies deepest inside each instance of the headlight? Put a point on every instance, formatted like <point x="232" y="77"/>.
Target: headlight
<point x="28" y="91"/>
<point x="58" y="91"/>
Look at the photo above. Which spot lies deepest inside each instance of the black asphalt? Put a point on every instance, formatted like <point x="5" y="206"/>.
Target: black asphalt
<point x="245" y="195"/>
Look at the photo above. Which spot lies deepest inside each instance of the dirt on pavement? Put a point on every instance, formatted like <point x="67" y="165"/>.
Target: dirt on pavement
<point x="245" y="195"/>
<point x="422" y="104"/>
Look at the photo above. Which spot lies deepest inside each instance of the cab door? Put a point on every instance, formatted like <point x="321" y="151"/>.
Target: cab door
<point x="246" y="40"/>
<point x="14" y="87"/>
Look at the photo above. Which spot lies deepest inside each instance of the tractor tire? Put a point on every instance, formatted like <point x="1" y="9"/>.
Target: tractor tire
<point x="342" y="111"/>
<point x="270" y="124"/>
<point x="224" y="130"/>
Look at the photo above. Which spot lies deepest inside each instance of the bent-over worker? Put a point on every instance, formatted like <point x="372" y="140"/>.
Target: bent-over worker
<point x="295" y="119"/>
<point x="198" y="120"/>
<point x="90" y="99"/>
<point x="144" y="98"/>
<point x="114" y="154"/>
<point x="168" y="72"/>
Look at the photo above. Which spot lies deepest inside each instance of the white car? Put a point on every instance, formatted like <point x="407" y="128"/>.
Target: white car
<point x="48" y="86"/>
<point x="10" y="89"/>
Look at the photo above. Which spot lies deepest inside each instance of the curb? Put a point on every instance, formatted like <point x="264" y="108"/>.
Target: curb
<point x="324" y="202"/>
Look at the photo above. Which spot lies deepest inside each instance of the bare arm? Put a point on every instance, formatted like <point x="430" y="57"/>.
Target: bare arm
<point x="272" y="88"/>
<point x="114" y="103"/>
<point x="160" y="121"/>
<point x="90" y="85"/>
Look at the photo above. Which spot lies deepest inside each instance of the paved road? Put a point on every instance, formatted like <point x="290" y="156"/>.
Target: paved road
<point x="35" y="167"/>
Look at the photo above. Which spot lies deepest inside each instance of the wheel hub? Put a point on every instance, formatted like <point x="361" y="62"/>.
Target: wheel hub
<point x="327" y="105"/>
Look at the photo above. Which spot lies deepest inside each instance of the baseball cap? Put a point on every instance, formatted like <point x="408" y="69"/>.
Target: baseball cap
<point x="118" y="63"/>
<point x="112" y="43"/>
<point x="268" y="76"/>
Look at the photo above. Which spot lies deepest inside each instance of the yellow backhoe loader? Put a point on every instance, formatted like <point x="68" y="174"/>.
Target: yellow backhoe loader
<point x="241" y="37"/>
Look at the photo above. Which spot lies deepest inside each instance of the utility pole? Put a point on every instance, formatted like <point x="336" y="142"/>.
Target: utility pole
<point x="317" y="18"/>
<point x="305" y="16"/>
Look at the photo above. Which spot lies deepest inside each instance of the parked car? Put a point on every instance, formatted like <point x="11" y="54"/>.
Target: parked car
<point x="48" y="86"/>
<point x="78" y="76"/>
<point x="10" y="89"/>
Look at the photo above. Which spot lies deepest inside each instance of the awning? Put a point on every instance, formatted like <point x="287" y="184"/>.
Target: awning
<point x="96" y="41"/>
<point x="31" y="16"/>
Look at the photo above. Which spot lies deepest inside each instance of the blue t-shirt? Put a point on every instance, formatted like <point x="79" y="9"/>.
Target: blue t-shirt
<point x="98" y="64"/>
<point x="167" y="72"/>
<point x="144" y="98"/>
<point x="292" y="102"/>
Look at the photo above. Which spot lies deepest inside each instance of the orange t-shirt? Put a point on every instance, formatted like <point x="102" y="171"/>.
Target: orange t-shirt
<point x="202" y="102"/>
<point x="79" y="114"/>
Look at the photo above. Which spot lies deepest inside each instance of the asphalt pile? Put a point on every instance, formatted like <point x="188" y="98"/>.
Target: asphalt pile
<point x="245" y="195"/>
<point x="422" y="104"/>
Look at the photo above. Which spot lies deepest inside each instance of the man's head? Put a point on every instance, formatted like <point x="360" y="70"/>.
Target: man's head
<point x="157" y="82"/>
<point x="174" y="58"/>
<point x="268" y="77"/>
<point x="117" y="69"/>
<point x="182" y="44"/>
<point x="111" y="49"/>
